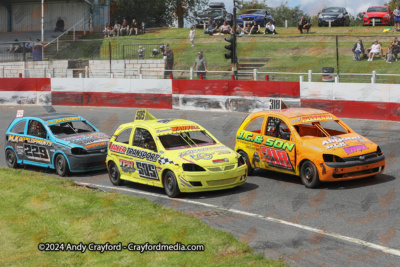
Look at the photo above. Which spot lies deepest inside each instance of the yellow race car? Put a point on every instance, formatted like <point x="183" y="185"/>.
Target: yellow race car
<point x="176" y="154"/>
<point x="310" y="143"/>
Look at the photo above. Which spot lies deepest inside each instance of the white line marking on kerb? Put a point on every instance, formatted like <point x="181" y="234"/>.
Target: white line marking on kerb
<point x="384" y="249"/>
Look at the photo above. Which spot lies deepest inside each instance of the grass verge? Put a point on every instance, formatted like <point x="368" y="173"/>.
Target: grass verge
<point x="38" y="208"/>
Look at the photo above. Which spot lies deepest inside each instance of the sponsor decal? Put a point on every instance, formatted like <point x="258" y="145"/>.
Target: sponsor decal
<point x="164" y="130"/>
<point x="127" y="166"/>
<point x="165" y="121"/>
<point x="337" y="145"/>
<point x="95" y="145"/>
<point x="195" y="151"/>
<point x="165" y="160"/>
<point x="316" y="148"/>
<point x="271" y="142"/>
<point x="352" y="149"/>
<point x="20" y="150"/>
<point x="147" y="170"/>
<point x="205" y="156"/>
<point x="184" y="128"/>
<point x="94" y="136"/>
<point x="37" y="153"/>
<point x="20" y="113"/>
<point x="136" y="153"/>
<point x="333" y="139"/>
<point x="220" y="160"/>
<point x="64" y="120"/>
<point x="313" y="118"/>
<point x="21" y="139"/>
<point x="223" y="152"/>
<point x="277" y="158"/>
<point x="117" y="148"/>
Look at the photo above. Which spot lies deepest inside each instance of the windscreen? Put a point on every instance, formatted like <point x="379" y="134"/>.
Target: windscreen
<point x="321" y="129"/>
<point x="186" y="140"/>
<point x="71" y="127"/>
<point x="213" y="12"/>
<point x="378" y="9"/>
<point x="254" y="11"/>
<point x="332" y="10"/>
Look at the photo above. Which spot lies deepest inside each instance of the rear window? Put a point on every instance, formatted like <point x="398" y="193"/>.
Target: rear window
<point x="19" y="128"/>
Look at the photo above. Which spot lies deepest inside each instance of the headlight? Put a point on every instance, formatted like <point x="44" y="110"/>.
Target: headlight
<point x="241" y="161"/>
<point x="340" y="16"/>
<point x="78" y="151"/>
<point x="259" y="17"/>
<point x="387" y="16"/>
<point x="365" y="16"/>
<point x="190" y="167"/>
<point x="331" y="158"/>
<point x="379" y="151"/>
<point x="320" y="16"/>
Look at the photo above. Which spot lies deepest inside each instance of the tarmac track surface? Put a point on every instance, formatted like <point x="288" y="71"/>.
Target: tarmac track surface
<point x="345" y="223"/>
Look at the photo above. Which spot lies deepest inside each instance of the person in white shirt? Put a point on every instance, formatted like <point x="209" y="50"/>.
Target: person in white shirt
<point x="375" y="49"/>
<point x="116" y="29"/>
<point x="192" y="33"/>
<point x="270" y="28"/>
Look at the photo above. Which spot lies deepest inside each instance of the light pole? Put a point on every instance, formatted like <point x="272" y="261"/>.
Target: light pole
<point x="42" y="30"/>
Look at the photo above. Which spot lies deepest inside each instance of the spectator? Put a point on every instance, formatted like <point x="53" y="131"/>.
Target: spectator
<point x="37" y="43"/>
<point x="134" y="27"/>
<point x="270" y="28"/>
<point x="239" y="31"/>
<point x="169" y="61"/>
<point x="247" y="29"/>
<point x="124" y="28"/>
<point x="15" y="47"/>
<point x="226" y="28"/>
<point x="201" y="65"/>
<point x="192" y="33"/>
<point x="255" y="28"/>
<point x="107" y="30"/>
<point x="143" y="28"/>
<point x="141" y="52"/>
<point x="396" y="14"/>
<point x="29" y="45"/>
<point x="211" y="27"/>
<point x="304" y="24"/>
<point x="394" y="48"/>
<point x="358" y="49"/>
<point x="375" y="49"/>
<point x="59" y="25"/>
<point x="155" y="52"/>
<point x="116" y="29"/>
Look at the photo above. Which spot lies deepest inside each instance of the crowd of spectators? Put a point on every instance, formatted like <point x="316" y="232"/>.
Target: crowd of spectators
<point x="124" y="29"/>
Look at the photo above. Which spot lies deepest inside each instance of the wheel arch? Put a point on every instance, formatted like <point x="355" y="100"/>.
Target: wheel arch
<point x="58" y="152"/>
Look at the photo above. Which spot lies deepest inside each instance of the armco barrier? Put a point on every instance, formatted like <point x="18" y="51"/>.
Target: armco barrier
<point x="16" y="91"/>
<point x="349" y="100"/>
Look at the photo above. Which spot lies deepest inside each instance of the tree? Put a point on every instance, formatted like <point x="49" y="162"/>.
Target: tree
<point x="357" y="20"/>
<point x="284" y="12"/>
<point x="185" y="9"/>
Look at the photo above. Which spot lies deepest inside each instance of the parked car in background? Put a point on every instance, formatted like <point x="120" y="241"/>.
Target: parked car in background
<point x="262" y="16"/>
<point x="217" y="12"/>
<point x="338" y="16"/>
<point x="381" y="14"/>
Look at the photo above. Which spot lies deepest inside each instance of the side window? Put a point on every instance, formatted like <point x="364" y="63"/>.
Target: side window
<point x="36" y="128"/>
<point x="277" y="128"/>
<point x="124" y="136"/>
<point x="144" y="139"/>
<point x="19" y="128"/>
<point x="255" y="125"/>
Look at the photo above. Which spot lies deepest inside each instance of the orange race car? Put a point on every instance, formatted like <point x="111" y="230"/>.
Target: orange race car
<point x="310" y="143"/>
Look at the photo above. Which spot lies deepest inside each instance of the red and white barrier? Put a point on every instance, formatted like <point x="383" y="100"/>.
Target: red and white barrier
<point x="16" y="91"/>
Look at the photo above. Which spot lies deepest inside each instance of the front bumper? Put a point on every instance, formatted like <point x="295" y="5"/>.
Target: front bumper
<point x="334" y="21"/>
<point x="378" y="21"/>
<point x="210" y="181"/>
<point x="342" y="171"/>
<point x="87" y="162"/>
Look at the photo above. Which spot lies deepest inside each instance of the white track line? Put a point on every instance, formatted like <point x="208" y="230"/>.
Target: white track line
<point x="384" y="249"/>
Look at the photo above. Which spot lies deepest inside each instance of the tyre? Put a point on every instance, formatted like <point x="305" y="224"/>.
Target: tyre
<point x="61" y="165"/>
<point x="11" y="159"/>
<point x="114" y="175"/>
<point x="250" y="169"/>
<point x="171" y="185"/>
<point x="320" y="25"/>
<point x="309" y="174"/>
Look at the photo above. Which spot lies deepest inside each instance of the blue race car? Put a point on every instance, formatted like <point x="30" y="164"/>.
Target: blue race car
<point x="61" y="141"/>
<point x="262" y="17"/>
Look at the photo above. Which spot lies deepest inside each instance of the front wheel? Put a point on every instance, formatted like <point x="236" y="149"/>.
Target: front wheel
<point x="309" y="174"/>
<point x="114" y="175"/>
<point x="171" y="185"/>
<point x="11" y="159"/>
<point x="61" y="165"/>
<point x="250" y="169"/>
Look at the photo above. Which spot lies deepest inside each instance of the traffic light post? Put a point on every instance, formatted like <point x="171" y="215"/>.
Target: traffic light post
<point x="232" y="47"/>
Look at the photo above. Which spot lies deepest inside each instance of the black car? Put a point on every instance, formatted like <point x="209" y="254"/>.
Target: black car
<point x="217" y="13"/>
<point x="338" y="16"/>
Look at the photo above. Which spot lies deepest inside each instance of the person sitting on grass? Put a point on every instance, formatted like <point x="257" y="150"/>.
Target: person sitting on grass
<point x="116" y="29"/>
<point x="247" y="29"/>
<point x="226" y="28"/>
<point x="155" y="52"/>
<point x="358" y="49"/>
<point x="375" y="49"/>
<point x="107" y="30"/>
<point x="134" y="28"/>
<point x="211" y="27"/>
<point x="239" y="31"/>
<point x="270" y="28"/>
<point x="304" y="24"/>
<point x="124" y="28"/>
<point x="394" y="48"/>
<point x="255" y="29"/>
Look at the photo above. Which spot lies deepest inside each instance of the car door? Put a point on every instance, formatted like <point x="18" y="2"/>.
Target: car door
<point x="15" y="137"/>
<point x="143" y="151"/>
<point x="277" y="151"/>
<point x="36" y="144"/>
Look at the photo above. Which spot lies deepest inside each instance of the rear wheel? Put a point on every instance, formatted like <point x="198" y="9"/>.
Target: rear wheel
<point x="61" y="165"/>
<point x="11" y="159"/>
<point x="114" y="175"/>
<point x="309" y="174"/>
<point x="250" y="169"/>
<point x="171" y="185"/>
